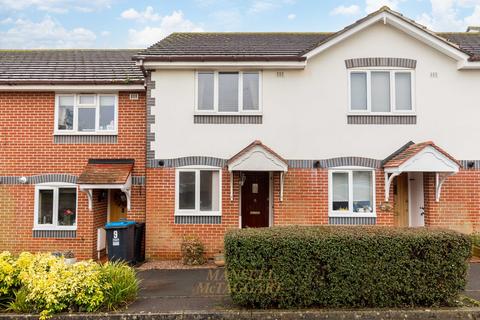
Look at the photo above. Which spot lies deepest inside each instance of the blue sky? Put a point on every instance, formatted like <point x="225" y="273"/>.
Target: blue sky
<point x="137" y="24"/>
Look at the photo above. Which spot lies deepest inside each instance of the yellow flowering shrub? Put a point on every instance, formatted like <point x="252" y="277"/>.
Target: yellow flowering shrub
<point x="7" y="275"/>
<point x="45" y="284"/>
<point x="53" y="286"/>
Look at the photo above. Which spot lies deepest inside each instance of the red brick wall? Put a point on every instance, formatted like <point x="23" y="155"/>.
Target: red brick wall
<point x="459" y="205"/>
<point x="305" y="202"/>
<point x="305" y="197"/>
<point x="163" y="236"/>
<point x="27" y="148"/>
<point x="26" y="136"/>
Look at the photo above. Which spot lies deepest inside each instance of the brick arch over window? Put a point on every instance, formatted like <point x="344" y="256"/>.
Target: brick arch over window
<point x="381" y="62"/>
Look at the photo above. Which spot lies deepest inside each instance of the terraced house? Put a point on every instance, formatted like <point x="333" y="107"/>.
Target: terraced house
<point x="72" y="141"/>
<point x="205" y="132"/>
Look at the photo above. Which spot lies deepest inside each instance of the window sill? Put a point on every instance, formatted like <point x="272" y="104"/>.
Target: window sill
<point x="386" y="114"/>
<point x="74" y="228"/>
<point x="352" y="215"/>
<point x="197" y="213"/>
<point x="109" y="133"/>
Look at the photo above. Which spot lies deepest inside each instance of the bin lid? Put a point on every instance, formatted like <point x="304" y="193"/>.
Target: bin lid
<point x="119" y="224"/>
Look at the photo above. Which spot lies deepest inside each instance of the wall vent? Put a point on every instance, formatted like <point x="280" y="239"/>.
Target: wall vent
<point x="133" y="96"/>
<point x="280" y="74"/>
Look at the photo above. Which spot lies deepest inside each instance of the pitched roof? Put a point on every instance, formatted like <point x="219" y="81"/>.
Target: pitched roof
<point x="411" y="150"/>
<point x="106" y="171"/>
<point x="240" y="46"/>
<point x="69" y="67"/>
<point x="467" y="41"/>
<point x="269" y="46"/>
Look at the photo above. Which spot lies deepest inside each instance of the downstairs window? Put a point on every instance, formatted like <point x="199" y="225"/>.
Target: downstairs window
<point x="198" y="192"/>
<point x="351" y="193"/>
<point x="55" y="207"/>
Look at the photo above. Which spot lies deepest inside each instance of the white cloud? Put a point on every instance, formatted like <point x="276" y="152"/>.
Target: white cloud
<point x="374" y="5"/>
<point x="45" y="34"/>
<point x="149" y="35"/>
<point x="291" y="16"/>
<point x="258" y="6"/>
<point x="105" y="33"/>
<point x="144" y="16"/>
<point x="348" y="11"/>
<point x="445" y="15"/>
<point x="55" y="6"/>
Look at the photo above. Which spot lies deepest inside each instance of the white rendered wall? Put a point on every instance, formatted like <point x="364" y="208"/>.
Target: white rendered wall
<point x="305" y="112"/>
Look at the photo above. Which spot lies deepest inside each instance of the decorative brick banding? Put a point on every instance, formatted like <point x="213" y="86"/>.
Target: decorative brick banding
<point x="381" y="62"/>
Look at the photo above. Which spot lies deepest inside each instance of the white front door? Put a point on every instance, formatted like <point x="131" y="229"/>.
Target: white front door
<point x="417" y="214"/>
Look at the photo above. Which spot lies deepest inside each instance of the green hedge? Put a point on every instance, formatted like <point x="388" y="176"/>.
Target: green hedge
<point x="334" y="266"/>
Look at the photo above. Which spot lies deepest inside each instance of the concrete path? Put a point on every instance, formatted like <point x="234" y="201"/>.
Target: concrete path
<point x="176" y="290"/>
<point x="206" y="289"/>
<point x="473" y="286"/>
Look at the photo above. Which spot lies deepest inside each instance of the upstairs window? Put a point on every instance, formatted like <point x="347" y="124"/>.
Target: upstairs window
<point x="228" y="92"/>
<point x="381" y="91"/>
<point x="86" y="114"/>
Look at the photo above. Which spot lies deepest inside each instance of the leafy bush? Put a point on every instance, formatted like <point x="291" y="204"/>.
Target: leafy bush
<point x="345" y="266"/>
<point x="45" y="284"/>
<point x="475" y="239"/>
<point x="193" y="251"/>
<point x="123" y="284"/>
<point x="7" y="276"/>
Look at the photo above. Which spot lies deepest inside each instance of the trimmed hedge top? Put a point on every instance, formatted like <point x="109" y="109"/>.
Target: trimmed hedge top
<point x="336" y="266"/>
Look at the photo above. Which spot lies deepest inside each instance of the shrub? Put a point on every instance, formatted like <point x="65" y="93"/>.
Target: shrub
<point x="45" y="284"/>
<point x="475" y="239"/>
<point x="193" y="251"/>
<point x="52" y="286"/>
<point x="345" y="266"/>
<point x="122" y="282"/>
<point x="7" y="276"/>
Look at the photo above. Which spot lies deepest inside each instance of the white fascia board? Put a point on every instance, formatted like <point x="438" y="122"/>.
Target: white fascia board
<point x="153" y="65"/>
<point x="414" y="31"/>
<point x="72" y="88"/>
<point x="468" y="65"/>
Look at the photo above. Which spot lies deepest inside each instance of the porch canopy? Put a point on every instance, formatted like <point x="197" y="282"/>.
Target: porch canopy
<point x="107" y="174"/>
<point x="257" y="157"/>
<point x="420" y="157"/>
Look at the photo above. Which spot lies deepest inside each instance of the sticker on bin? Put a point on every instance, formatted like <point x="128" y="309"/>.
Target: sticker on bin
<point x="116" y="239"/>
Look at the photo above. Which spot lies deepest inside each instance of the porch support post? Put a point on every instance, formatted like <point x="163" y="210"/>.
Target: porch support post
<point x="439" y="180"/>
<point x="388" y="182"/>
<point x="89" y="193"/>
<point x="282" y="180"/>
<point x="231" y="185"/>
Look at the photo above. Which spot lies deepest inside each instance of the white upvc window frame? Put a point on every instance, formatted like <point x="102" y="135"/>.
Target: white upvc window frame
<point x="77" y="106"/>
<point x="350" y="213"/>
<point x="393" y="108"/>
<point x="55" y="187"/>
<point x="241" y="110"/>
<point x="197" y="211"/>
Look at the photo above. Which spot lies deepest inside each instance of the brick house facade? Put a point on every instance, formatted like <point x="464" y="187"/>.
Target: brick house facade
<point x="310" y="138"/>
<point x="33" y="155"/>
<point x="322" y="161"/>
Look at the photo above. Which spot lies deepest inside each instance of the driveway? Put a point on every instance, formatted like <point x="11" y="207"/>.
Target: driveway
<point x="206" y="289"/>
